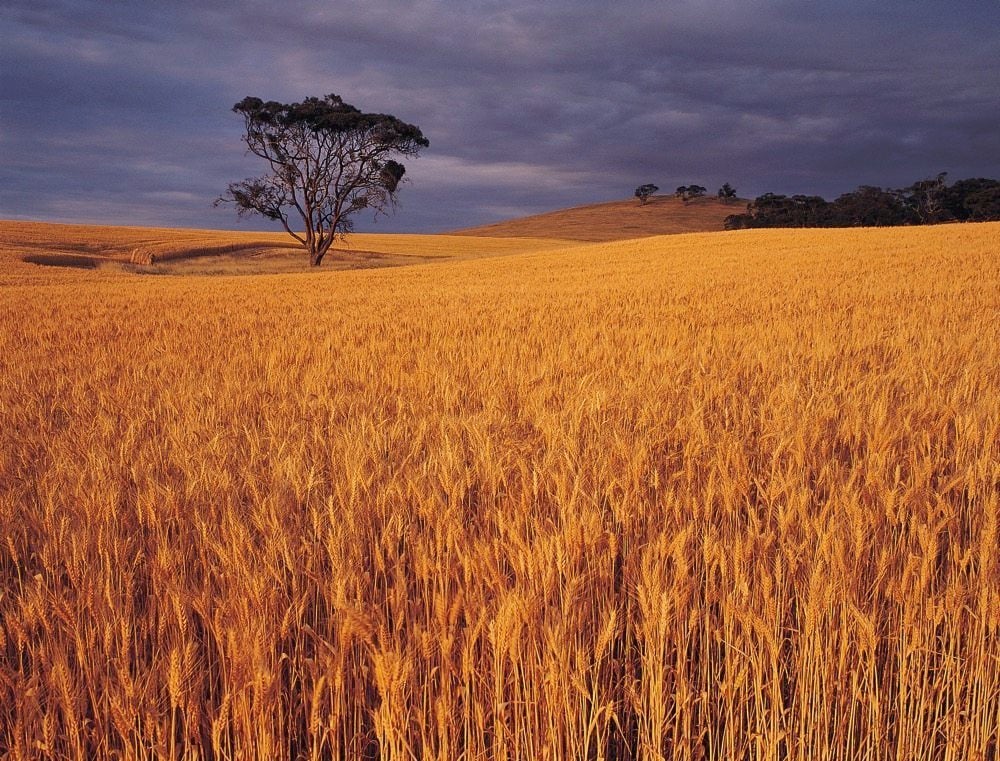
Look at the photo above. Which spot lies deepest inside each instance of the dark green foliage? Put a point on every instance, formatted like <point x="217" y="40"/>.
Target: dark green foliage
<point x="928" y="201"/>
<point x="737" y="222"/>
<point x="327" y="161"/>
<point x="973" y="200"/>
<point x="773" y="210"/>
<point x="869" y="206"/>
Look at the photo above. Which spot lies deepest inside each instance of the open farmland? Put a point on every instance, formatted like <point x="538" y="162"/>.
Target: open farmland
<point x="162" y="251"/>
<point x="689" y="497"/>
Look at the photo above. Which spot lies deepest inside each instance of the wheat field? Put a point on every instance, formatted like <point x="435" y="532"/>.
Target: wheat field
<point x="726" y="496"/>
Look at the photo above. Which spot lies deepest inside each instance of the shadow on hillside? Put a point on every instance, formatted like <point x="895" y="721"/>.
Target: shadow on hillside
<point x="271" y="261"/>
<point x="65" y="260"/>
<point x="255" y="260"/>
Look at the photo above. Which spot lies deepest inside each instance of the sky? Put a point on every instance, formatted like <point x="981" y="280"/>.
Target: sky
<point x="119" y="111"/>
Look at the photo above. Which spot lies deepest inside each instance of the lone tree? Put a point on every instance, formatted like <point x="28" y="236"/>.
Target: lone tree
<point x="727" y="193"/>
<point x="327" y="161"/>
<point x="643" y="192"/>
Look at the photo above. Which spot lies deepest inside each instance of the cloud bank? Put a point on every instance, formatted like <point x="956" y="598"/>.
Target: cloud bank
<point x="119" y="112"/>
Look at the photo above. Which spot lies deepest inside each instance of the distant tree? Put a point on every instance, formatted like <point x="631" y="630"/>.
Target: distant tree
<point x="925" y="199"/>
<point x="327" y="161"/>
<point x="687" y="192"/>
<point x="643" y="192"/>
<point x="727" y="193"/>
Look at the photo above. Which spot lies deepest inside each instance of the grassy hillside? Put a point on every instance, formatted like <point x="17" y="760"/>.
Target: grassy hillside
<point x="617" y="220"/>
<point x="688" y="497"/>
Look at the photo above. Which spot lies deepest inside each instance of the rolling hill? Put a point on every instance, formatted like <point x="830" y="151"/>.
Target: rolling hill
<point x="616" y="220"/>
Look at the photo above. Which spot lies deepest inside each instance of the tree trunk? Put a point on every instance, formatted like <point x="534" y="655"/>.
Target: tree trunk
<point x="320" y="245"/>
<point x="316" y="252"/>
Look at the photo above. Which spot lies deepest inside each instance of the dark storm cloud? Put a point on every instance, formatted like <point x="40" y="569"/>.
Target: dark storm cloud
<point x="119" y="111"/>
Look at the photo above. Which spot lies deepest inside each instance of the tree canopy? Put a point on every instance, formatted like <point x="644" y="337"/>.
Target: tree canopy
<point x="643" y="192"/>
<point x="327" y="160"/>
<point x="689" y="192"/>
<point x="727" y="193"/>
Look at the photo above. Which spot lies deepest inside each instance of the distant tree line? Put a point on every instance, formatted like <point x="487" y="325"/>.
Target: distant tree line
<point x="925" y="202"/>
<point x="727" y="193"/>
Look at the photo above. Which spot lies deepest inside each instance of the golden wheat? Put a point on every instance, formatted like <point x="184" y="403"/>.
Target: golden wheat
<point x="707" y="496"/>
